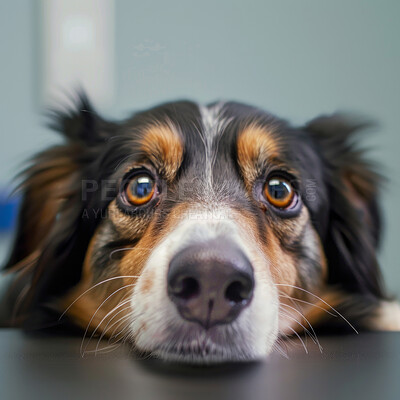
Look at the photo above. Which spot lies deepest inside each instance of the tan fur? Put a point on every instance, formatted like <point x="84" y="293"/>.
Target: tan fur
<point x="283" y="265"/>
<point x="131" y="264"/>
<point x="162" y="144"/>
<point x="84" y="302"/>
<point x="255" y="145"/>
<point x="128" y="226"/>
<point x="134" y="260"/>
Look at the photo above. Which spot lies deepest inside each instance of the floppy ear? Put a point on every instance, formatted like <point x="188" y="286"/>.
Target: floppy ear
<point x="50" y="222"/>
<point x="354" y="223"/>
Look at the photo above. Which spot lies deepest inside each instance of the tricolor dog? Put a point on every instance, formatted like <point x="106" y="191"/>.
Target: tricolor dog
<point x="199" y="233"/>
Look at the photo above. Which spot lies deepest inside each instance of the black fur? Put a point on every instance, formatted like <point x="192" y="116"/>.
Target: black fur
<point x="354" y="221"/>
<point x="323" y="152"/>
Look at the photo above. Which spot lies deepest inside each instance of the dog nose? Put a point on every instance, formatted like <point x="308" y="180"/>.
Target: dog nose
<point x="210" y="283"/>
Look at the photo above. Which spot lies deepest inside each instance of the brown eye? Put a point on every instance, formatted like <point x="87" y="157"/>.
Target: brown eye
<point x="279" y="192"/>
<point x="140" y="189"/>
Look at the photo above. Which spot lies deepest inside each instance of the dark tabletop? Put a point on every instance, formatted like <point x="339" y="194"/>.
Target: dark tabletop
<point x="365" y="366"/>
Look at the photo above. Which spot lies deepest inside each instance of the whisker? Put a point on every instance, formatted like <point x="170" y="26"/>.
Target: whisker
<point x="98" y="308"/>
<point x="106" y="316"/>
<point x="288" y="338"/>
<point x="301" y="340"/>
<point x="118" y="250"/>
<point x="319" y="298"/>
<point x="297" y="307"/>
<point x="94" y="286"/>
<point x="116" y="342"/>
<point x="114" y="335"/>
<point x="137" y="248"/>
<point x="308" y="322"/>
<point x="104" y="350"/>
<point x="108" y="326"/>
<point x="307" y="302"/>
<point x="276" y="346"/>
<point x="298" y="322"/>
<point x="122" y="341"/>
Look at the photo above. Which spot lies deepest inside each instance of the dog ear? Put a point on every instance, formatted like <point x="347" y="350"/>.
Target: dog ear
<point x="354" y="223"/>
<point x="48" y="180"/>
<point x="50" y="218"/>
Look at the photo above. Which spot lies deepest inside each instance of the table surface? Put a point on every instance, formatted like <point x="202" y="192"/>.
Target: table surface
<point x="365" y="366"/>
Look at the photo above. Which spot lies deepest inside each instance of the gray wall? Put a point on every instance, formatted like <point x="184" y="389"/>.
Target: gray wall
<point x="295" y="58"/>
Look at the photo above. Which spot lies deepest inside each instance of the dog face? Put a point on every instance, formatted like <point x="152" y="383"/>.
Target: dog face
<point x="200" y="234"/>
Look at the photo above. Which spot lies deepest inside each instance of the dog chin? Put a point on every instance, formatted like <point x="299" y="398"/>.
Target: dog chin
<point x="203" y="355"/>
<point x="190" y="343"/>
<point x="205" y="352"/>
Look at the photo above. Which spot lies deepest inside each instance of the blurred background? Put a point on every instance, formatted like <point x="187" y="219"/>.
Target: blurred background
<point x="297" y="59"/>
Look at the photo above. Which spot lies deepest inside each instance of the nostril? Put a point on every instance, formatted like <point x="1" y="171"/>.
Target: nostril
<point x="188" y="288"/>
<point x="238" y="292"/>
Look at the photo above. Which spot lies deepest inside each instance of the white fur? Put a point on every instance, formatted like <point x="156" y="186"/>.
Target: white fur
<point x="250" y="336"/>
<point x="388" y="318"/>
<point x="214" y="124"/>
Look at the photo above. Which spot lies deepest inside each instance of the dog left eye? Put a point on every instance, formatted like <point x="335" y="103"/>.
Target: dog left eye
<point x="140" y="189"/>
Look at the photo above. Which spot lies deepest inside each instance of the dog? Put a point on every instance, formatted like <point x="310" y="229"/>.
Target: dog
<point x="199" y="233"/>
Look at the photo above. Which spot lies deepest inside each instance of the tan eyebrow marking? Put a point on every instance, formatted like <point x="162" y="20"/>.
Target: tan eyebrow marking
<point x="255" y="145"/>
<point x="163" y="145"/>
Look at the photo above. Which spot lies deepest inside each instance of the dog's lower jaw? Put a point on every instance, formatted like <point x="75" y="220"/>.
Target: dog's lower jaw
<point x="164" y="334"/>
<point x="206" y="352"/>
<point x="201" y="348"/>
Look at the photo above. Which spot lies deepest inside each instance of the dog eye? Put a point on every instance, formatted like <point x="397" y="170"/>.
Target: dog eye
<point x="140" y="189"/>
<point x="279" y="192"/>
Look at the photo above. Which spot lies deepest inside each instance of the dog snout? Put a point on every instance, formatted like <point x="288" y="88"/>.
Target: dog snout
<point x="210" y="283"/>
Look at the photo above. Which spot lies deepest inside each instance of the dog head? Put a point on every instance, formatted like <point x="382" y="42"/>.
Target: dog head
<point x="199" y="233"/>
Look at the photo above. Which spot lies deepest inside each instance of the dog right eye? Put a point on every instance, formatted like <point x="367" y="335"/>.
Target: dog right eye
<point x="279" y="192"/>
<point x="140" y="189"/>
